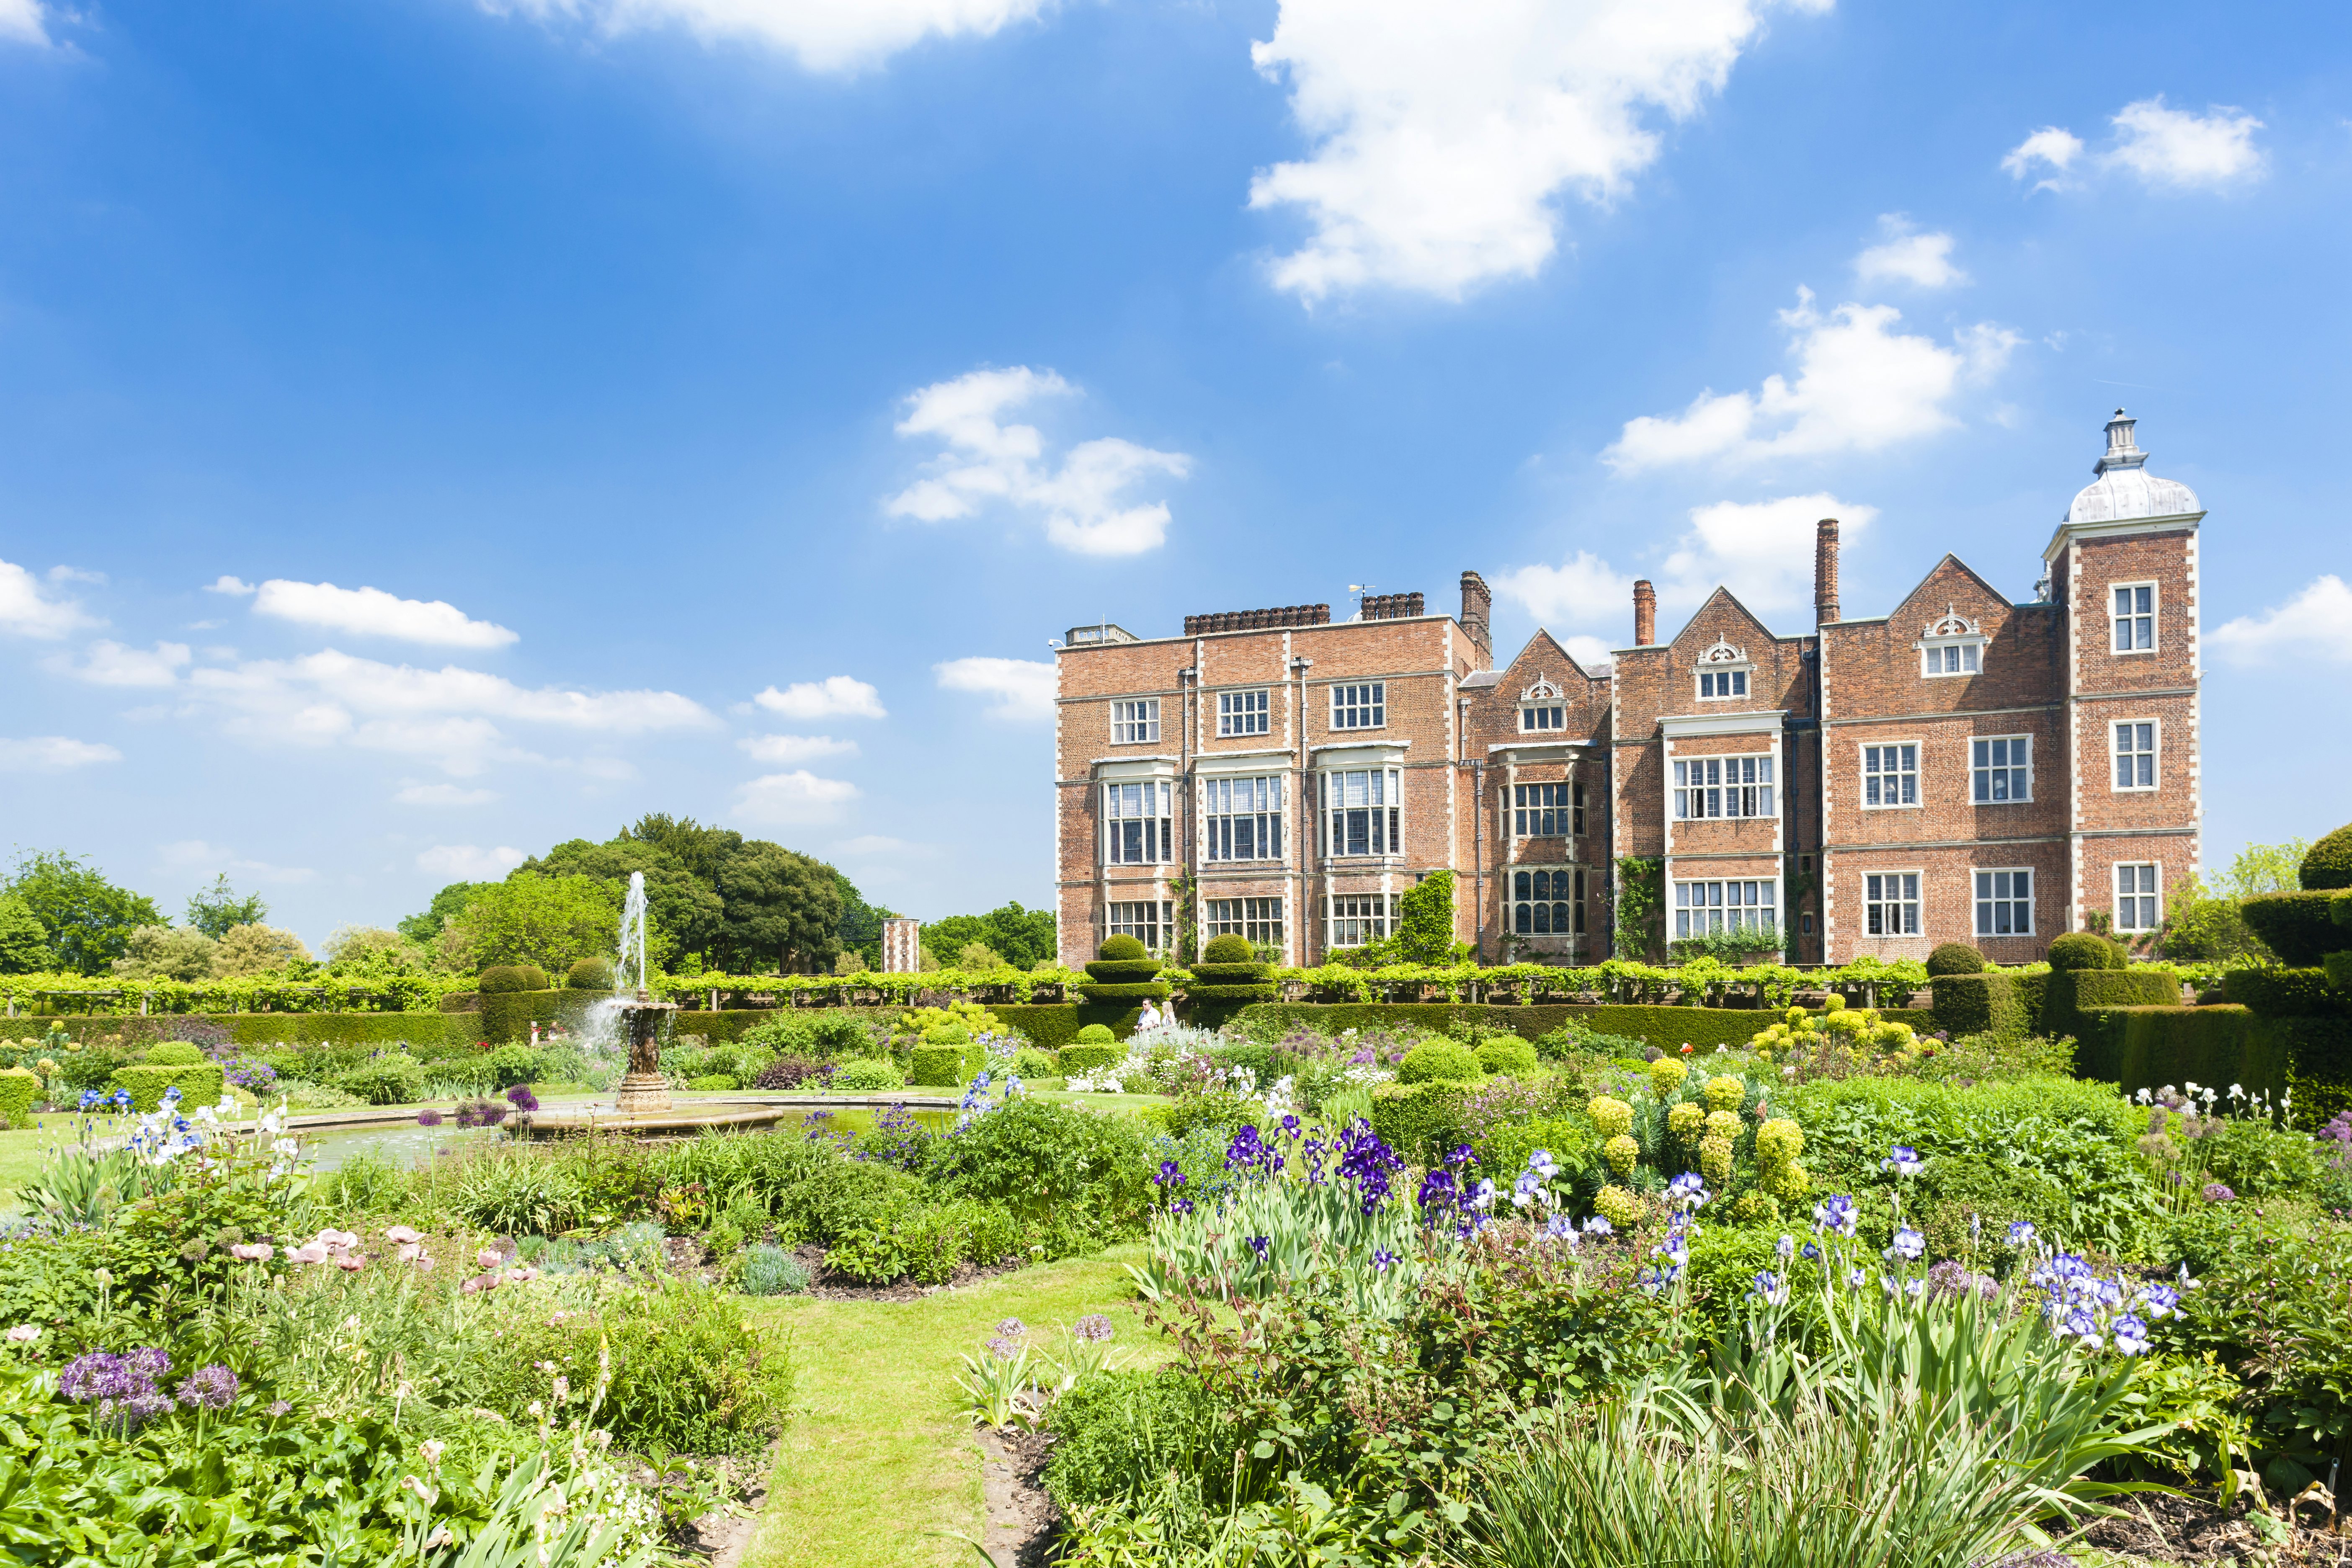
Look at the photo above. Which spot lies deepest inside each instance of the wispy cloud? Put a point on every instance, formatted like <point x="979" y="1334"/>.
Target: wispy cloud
<point x="2166" y="148"/>
<point x="440" y="794"/>
<point x="371" y="612"/>
<point x="783" y="749"/>
<point x="53" y="754"/>
<point x="795" y="799"/>
<point x="195" y="855"/>
<point x="1904" y="255"/>
<point x="2307" y="628"/>
<point x="107" y="663"/>
<point x="821" y="35"/>
<point x="28" y="611"/>
<point x="1023" y="689"/>
<point x="468" y="863"/>
<point x="834" y="697"/>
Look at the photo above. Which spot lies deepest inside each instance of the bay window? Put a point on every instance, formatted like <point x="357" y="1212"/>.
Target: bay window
<point x="1258" y="921"/>
<point x="1150" y="921"/>
<point x="1242" y="818"/>
<point x="1548" y="902"/>
<point x="1355" y="919"/>
<point x="1546" y="810"/>
<point x="1712" y="909"/>
<point x="1138" y="823"/>
<point x="1360" y="811"/>
<point x="1724" y="786"/>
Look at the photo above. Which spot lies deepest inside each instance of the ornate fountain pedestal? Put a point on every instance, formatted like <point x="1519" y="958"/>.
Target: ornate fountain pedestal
<point x="643" y="1091"/>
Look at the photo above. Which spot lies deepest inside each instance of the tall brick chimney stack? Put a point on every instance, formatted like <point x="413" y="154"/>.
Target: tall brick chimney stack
<point x="1646" y="614"/>
<point x="1825" y="552"/>
<point x="1477" y="606"/>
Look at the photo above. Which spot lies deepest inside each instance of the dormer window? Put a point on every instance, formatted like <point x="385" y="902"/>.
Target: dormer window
<point x="1542" y="710"/>
<point x="1723" y="673"/>
<point x="1952" y="645"/>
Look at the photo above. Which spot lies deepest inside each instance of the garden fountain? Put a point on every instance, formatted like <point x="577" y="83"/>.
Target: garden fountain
<point x="643" y="1091"/>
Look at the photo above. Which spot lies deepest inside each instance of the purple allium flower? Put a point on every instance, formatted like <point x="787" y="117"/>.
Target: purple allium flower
<point x="522" y="1099"/>
<point x="209" y="1387"/>
<point x="465" y="1115"/>
<point x="2215" y="1192"/>
<point x="1094" y="1327"/>
<point x="123" y="1387"/>
<point x="1011" y="1328"/>
<point x="428" y="1117"/>
<point x="1949" y="1280"/>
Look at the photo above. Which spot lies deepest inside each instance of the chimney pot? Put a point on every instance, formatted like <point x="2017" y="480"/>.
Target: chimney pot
<point x="1646" y="614"/>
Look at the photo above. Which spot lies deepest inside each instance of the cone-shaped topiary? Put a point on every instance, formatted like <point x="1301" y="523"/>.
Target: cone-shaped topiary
<point x="2328" y="863"/>
<point x="1955" y="958"/>
<point x="1123" y="974"/>
<point x="2083" y="950"/>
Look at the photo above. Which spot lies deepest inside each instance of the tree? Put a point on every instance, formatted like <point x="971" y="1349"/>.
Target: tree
<point x="780" y="906"/>
<point x="1021" y="937"/>
<point x="2265" y="869"/>
<point x="24" y="945"/>
<point x="702" y="851"/>
<point x="252" y="949"/>
<point x="1425" y="919"/>
<point x="217" y="908"/>
<point x="978" y="955"/>
<point x="448" y="904"/>
<point x="686" y="914"/>
<point x="861" y="922"/>
<point x="371" y="950"/>
<point x="545" y="920"/>
<point x="168" y="952"/>
<point x="2197" y="927"/>
<point x="87" y="921"/>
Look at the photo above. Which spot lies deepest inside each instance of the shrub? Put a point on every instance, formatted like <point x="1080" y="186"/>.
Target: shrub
<point x="1070" y="1169"/>
<point x="773" y="1271"/>
<point x="712" y="1083"/>
<point x="2083" y="950"/>
<point x="1229" y="949"/>
<point x="1087" y="1057"/>
<point x="867" y="1075"/>
<point x="1097" y="1034"/>
<point x="19" y="1087"/>
<point x="1509" y="1055"/>
<point x="507" y="977"/>
<point x="689" y="1375"/>
<point x="1421" y="1122"/>
<point x="1118" y="1433"/>
<point x="198" y="1084"/>
<point x="1122" y="947"/>
<point x="175" y="1054"/>
<point x="1955" y="958"/>
<point x="390" y="1079"/>
<point x="510" y="1065"/>
<point x="589" y="974"/>
<point x="935" y="1066"/>
<point x="2328" y="863"/>
<point x="1031" y="1062"/>
<point x="1438" y="1061"/>
<point x="2299" y="927"/>
<point x="794" y="1072"/>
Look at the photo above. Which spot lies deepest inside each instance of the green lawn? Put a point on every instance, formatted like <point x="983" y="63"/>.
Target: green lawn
<point x="881" y="1452"/>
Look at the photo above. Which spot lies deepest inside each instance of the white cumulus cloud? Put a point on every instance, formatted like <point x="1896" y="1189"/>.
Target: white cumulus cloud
<point x="234" y="587"/>
<point x="2307" y="627"/>
<point x="1083" y="499"/>
<point x="837" y="696"/>
<point x="1907" y="256"/>
<point x="1584" y="591"/>
<point x="468" y="863"/>
<point x="1860" y="386"/>
<point x="1443" y="136"/>
<point x="821" y="35"/>
<point x="783" y="749"/>
<point x="28" y="611"/>
<point x="111" y="664"/>
<point x="443" y="794"/>
<point x="21" y="22"/>
<point x="52" y="755"/>
<point x="2163" y="148"/>
<point x="1022" y="689"/>
<point x="795" y="799"/>
<point x="371" y="612"/>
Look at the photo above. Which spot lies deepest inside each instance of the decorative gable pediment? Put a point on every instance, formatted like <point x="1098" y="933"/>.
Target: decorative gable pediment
<point x="1543" y="690"/>
<point x="1724" y="655"/>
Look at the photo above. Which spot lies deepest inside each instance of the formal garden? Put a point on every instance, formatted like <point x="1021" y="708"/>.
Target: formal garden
<point x="1711" y="1263"/>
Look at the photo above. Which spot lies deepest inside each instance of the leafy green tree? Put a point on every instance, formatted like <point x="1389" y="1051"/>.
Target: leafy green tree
<point x="702" y="851"/>
<point x="780" y="906"/>
<point x="169" y="952"/>
<point x="2265" y="869"/>
<point x="371" y="950"/>
<point x="252" y="949"/>
<point x="424" y="929"/>
<point x="87" y="921"/>
<point x="545" y="920"/>
<point x="2200" y="928"/>
<point x="686" y="912"/>
<point x="217" y="908"/>
<point x="861" y="922"/>
<point x="1021" y="937"/>
<point x="24" y="945"/>
<point x="1425" y="919"/>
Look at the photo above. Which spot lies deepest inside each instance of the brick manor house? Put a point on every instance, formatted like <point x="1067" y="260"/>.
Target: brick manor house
<point x="1962" y="769"/>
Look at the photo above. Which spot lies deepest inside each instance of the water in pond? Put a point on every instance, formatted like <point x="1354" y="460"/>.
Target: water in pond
<point x="405" y="1144"/>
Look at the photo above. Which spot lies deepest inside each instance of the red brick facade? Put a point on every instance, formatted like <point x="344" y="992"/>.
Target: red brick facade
<point x="1952" y="770"/>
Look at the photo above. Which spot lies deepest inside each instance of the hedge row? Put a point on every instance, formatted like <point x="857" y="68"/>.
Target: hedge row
<point x="2147" y="1048"/>
<point x="1669" y="1028"/>
<point x="2050" y="1004"/>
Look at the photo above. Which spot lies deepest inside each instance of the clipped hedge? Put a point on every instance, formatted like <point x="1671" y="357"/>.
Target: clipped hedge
<point x="1084" y="1059"/>
<point x="1144" y="991"/>
<point x="1669" y="1028"/>
<point x="2285" y="992"/>
<point x="2299" y="927"/>
<point x="1989" y="1004"/>
<point x="175" y="1054"/>
<point x="2138" y="1048"/>
<point x="1421" y="1122"/>
<point x="19" y="1087"/>
<point x="2067" y="993"/>
<point x="199" y="1083"/>
<point x="937" y="1066"/>
<point x="2318" y="1052"/>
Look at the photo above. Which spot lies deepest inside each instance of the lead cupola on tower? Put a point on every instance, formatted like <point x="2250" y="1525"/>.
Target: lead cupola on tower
<point x="2124" y="487"/>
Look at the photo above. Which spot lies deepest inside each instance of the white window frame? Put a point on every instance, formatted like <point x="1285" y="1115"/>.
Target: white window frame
<point x="1359" y="705"/>
<point x="1981" y="788"/>
<point x="1722" y="905"/>
<point x="2118" y="619"/>
<point x="1985" y="894"/>
<point x="2154" y="754"/>
<point x="1369" y="917"/>
<point x="2147" y="894"/>
<point x="1537" y="718"/>
<point x="1248" y="712"/>
<point x="1156" y="830"/>
<point x="1384" y="806"/>
<point x="1252" y="798"/>
<point x="1899" y="892"/>
<point x="1952" y="647"/>
<point x="1135" y="721"/>
<point x="1728" y="685"/>
<point x="1524" y="908"/>
<point x="1900" y="775"/>
<point x="1258" y="921"/>
<point x="1703" y="790"/>
<point x="1155" y="928"/>
<point x="1566" y="809"/>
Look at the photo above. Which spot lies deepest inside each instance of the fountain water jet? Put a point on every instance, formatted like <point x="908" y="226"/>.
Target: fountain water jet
<point x="643" y="1091"/>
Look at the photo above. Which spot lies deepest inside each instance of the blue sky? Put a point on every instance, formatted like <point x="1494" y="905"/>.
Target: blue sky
<point x="714" y="406"/>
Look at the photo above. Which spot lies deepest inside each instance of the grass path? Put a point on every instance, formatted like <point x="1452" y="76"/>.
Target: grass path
<point x="880" y="1451"/>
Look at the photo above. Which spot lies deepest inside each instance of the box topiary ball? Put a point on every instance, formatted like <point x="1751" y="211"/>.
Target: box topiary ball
<point x="1438" y="1061"/>
<point x="1122" y="947"/>
<point x="1227" y="949"/>
<point x="1509" y="1057"/>
<point x="2328" y="863"/>
<point x="589" y="974"/>
<point x="512" y="977"/>
<point x="175" y="1054"/>
<point x="2083" y="950"/>
<point x="1955" y="958"/>
<point x="1096" y="1035"/>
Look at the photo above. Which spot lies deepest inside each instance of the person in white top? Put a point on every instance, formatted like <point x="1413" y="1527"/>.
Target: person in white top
<point x="1150" y="1018"/>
